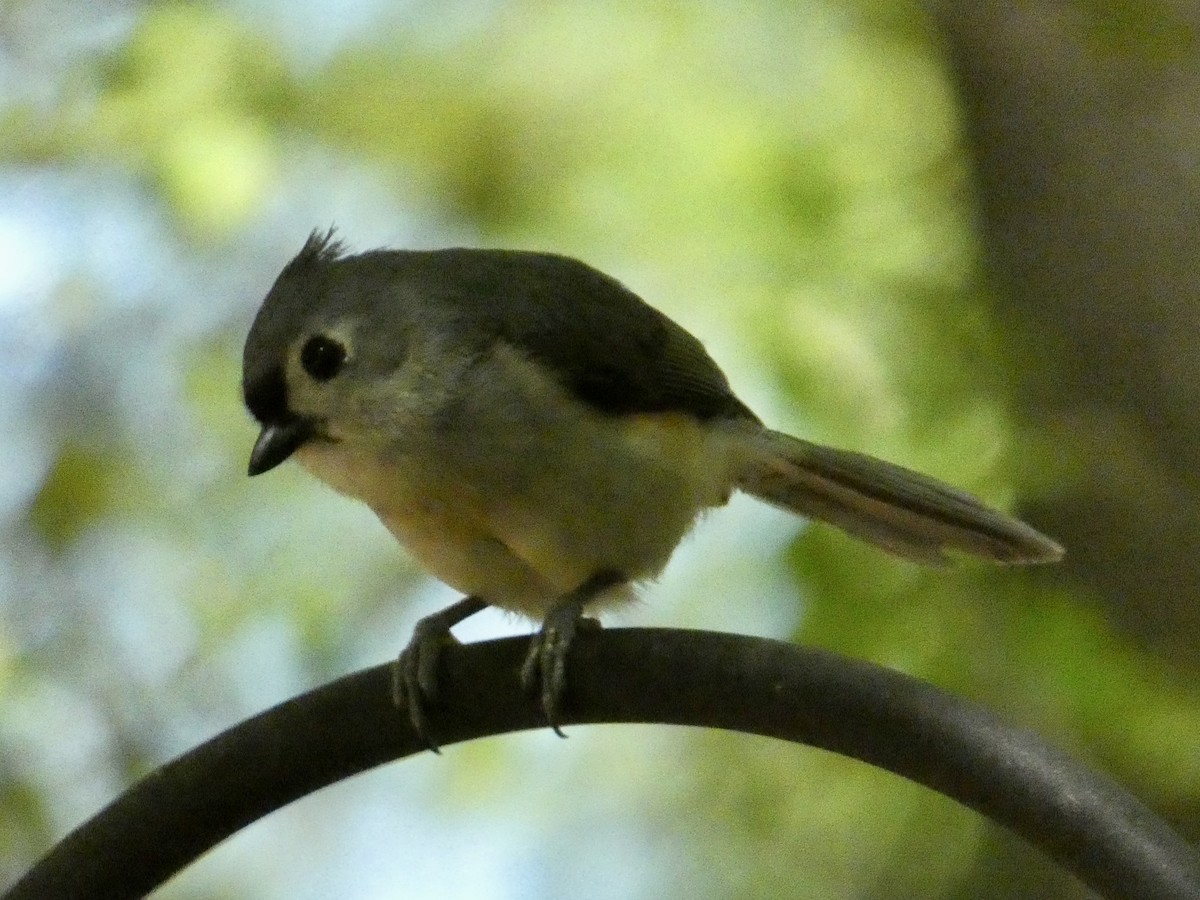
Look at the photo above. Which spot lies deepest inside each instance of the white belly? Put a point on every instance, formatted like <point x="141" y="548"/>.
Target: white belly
<point x="519" y="501"/>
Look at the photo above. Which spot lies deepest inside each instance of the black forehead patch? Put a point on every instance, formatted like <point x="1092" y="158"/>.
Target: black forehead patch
<point x="281" y="317"/>
<point x="266" y="396"/>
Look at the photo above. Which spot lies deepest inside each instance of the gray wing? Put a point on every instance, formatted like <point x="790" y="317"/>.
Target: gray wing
<point x="605" y="344"/>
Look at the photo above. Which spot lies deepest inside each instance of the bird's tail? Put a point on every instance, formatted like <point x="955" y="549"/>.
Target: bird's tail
<point x="904" y="512"/>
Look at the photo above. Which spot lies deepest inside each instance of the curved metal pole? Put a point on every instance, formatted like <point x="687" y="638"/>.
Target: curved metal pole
<point x="1082" y="819"/>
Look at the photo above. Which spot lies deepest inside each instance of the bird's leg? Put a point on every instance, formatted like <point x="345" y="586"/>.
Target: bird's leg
<point x="415" y="672"/>
<point x="545" y="664"/>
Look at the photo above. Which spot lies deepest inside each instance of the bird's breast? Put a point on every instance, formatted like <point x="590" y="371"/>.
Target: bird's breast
<point x="518" y="494"/>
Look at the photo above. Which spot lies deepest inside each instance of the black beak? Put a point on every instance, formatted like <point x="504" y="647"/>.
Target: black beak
<point x="277" y="442"/>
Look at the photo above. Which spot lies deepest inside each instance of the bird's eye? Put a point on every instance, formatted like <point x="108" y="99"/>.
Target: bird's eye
<point x="322" y="357"/>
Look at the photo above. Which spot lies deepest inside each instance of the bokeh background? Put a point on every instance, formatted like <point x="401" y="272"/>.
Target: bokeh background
<point x="961" y="236"/>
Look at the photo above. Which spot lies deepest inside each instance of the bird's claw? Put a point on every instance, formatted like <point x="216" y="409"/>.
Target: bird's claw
<point x="415" y="675"/>
<point x="544" y="671"/>
<point x="415" y="671"/>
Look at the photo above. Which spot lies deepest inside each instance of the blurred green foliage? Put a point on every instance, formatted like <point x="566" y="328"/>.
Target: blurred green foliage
<point x="787" y="179"/>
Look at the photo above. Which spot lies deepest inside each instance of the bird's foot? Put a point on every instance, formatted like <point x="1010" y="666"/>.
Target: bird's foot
<point x="415" y="671"/>
<point x="544" y="671"/>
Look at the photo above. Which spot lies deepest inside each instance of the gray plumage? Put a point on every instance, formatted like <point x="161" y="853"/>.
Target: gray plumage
<point x="539" y="438"/>
<point x="441" y="315"/>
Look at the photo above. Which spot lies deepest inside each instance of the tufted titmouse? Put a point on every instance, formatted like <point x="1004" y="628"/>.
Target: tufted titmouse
<point x="540" y="438"/>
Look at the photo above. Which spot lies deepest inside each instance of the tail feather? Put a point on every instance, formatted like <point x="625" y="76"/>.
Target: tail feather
<point x="901" y="511"/>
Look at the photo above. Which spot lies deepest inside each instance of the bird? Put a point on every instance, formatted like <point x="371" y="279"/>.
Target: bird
<point x="541" y="439"/>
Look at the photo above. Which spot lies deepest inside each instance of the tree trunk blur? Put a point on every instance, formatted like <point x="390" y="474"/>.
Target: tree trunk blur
<point x="1084" y="122"/>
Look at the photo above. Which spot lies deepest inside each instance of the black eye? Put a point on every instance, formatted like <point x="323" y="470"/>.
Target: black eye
<point x="322" y="357"/>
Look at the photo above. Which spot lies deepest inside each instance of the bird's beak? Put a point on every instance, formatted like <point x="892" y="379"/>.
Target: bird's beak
<point x="277" y="442"/>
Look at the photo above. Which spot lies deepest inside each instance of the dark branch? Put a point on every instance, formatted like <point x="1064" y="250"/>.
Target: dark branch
<point x="1081" y="819"/>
